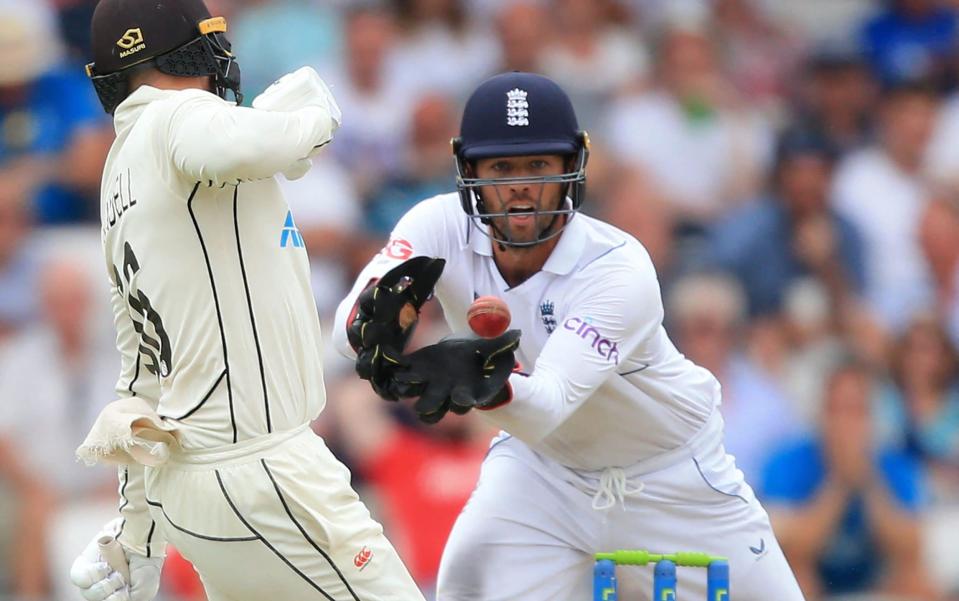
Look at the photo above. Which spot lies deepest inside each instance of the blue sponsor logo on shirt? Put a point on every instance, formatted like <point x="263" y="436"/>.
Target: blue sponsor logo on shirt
<point x="290" y="235"/>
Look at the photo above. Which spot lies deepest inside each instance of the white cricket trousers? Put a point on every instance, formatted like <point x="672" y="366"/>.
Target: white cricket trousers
<point x="275" y="519"/>
<point x="531" y="527"/>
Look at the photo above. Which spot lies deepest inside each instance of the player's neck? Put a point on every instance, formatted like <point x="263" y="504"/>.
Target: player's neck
<point x="519" y="263"/>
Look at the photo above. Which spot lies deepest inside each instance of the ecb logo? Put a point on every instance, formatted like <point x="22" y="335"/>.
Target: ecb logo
<point x="517" y="108"/>
<point x="546" y="313"/>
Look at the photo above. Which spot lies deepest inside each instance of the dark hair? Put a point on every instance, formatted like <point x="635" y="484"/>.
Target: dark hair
<point x="798" y="142"/>
<point x="455" y="17"/>
<point x="849" y="363"/>
<point x="950" y="354"/>
<point x="905" y="88"/>
<point x="835" y="57"/>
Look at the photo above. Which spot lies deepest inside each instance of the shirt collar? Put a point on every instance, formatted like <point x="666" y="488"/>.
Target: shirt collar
<point x="569" y="249"/>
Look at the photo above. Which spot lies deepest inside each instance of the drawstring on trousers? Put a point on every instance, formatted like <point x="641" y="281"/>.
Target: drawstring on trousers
<point x="613" y="488"/>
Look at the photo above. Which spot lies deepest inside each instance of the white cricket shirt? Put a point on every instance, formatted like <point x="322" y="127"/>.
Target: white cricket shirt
<point x="211" y="283"/>
<point x="606" y="386"/>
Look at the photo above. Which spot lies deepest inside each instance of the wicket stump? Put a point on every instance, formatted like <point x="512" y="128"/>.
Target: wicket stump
<point x="664" y="573"/>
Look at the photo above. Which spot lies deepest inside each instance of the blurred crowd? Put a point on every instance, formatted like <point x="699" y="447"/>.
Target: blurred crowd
<point x="792" y="167"/>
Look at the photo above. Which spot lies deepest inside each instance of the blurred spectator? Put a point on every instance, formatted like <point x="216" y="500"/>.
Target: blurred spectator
<point x="880" y="191"/>
<point x="910" y="39"/>
<point x="422" y="475"/>
<point x="759" y="55"/>
<point x="523" y="32"/>
<point x="273" y="37"/>
<point x="938" y="236"/>
<point x="795" y="232"/>
<point x="687" y="133"/>
<point x="19" y="256"/>
<point x="835" y="97"/>
<point x="943" y="153"/>
<point x="53" y="128"/>
<point x="844" y="510"/>
<point x="922" y="404"/>
<point x="54" y="380"/>
<point x="440" y="49"/>
<point x="374" y="100"/>
<point x="708" y="314"/>
<point x="590" y="57"/>
<point x="814" y="346"/>
<point x="819" y="20"/>
<point x="427" y="167"/>
<point x="633" y="206"/>
<point x="655" y="15"/>
<point x="74" y="17"/>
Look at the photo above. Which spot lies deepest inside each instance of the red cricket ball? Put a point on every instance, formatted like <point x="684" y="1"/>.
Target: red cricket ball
<point x="488" y="316"/>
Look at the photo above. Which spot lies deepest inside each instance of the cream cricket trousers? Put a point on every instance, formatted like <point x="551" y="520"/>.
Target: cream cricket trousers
<point x="531" y="527"/>
<point x="275" y="519"/>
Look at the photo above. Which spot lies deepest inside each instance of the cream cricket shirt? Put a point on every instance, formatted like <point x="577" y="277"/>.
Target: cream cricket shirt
<point x="211" y="284"/>
<point x="606" y="386"/>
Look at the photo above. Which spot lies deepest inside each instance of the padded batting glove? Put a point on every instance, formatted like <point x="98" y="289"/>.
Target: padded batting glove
<point x="299" y="89"/>
<point x="459" y="374"/>
<point x="296" y="90"/>
<point x="385" y="316"/>
<point x="98" y="581"/>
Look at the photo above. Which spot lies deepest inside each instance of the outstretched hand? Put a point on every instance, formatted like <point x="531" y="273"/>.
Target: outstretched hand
<point x="458" y="374"/>
<point x="386" y="315"/>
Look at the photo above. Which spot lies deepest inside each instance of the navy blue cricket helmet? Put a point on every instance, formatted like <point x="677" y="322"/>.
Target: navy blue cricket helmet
<point x="520" y="114"/>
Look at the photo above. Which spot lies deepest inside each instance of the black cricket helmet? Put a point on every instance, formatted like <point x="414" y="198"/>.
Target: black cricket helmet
<point x="520" y="114"/>
<point x="176" y="37"/>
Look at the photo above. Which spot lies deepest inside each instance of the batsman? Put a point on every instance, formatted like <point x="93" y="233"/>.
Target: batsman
<point x="217" y="328"/>
<point x="611" y="439"/>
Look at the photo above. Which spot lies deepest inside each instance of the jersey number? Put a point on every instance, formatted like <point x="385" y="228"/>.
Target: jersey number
<point x="154" y="342"/>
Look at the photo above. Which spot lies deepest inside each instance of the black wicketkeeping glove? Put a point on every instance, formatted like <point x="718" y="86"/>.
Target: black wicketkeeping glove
<point x="458" y="374"/>
<point x="385" y="317"/>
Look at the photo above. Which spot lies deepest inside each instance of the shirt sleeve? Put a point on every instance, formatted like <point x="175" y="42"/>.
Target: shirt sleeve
<point x="616" y="312"/>
<point x="420" y="233"/>
<point x="138" y="531"/>
<point x="218" y="143"/>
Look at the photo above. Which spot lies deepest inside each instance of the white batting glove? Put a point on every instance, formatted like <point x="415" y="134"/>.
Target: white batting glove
<point x="297" y="90"/>
<point x="98" y="581"/>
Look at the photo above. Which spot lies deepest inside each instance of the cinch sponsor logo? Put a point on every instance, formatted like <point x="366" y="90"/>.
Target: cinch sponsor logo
<point x="604" y="346"/>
